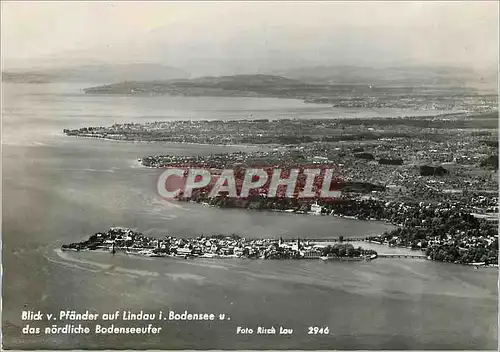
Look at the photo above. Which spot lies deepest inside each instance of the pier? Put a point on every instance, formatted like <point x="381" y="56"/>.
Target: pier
<point x="409" y="256"/>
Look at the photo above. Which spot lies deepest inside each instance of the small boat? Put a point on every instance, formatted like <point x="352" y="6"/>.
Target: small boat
<point x="156" y="255"/>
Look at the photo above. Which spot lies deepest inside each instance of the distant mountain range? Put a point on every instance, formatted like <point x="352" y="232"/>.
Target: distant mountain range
<point x="335" y="75"/>
<point x="241" y="81"/>
<point x="397" y="76"/>
<point x="97" y="73"/>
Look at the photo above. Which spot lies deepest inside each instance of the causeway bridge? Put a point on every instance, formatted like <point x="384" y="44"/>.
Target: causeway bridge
<point x="393" y="255"/>
<point x="335" y="239"/>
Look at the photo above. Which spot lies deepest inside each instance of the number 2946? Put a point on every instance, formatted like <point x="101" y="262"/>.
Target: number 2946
<point x="317" y="330"/>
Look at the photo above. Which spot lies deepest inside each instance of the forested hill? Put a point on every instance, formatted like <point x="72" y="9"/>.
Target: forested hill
<point x="238" y="85"/>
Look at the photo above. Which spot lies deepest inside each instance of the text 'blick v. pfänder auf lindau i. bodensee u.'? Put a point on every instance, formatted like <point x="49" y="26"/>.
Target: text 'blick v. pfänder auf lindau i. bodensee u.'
<point x="117" y="322"/>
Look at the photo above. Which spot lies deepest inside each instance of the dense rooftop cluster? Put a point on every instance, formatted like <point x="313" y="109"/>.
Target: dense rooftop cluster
<point x="460" y="155"/>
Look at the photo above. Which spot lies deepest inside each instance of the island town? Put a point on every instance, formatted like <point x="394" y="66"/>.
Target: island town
<point x="127" y="241"/>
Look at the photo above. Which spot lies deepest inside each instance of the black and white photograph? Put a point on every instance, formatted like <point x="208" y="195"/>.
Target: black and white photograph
<point x="249" y="175"/>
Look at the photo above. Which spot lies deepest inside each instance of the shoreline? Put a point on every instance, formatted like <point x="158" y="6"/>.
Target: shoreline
<point x="421" y="112"/>
<point x="290" y="211"/>
<point x="172" y="143"/>
<point x="123" y="252"/>
<point x="181" y="256"/>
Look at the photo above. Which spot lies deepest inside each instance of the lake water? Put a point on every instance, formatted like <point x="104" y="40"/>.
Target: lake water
<point x="58" y="189"/>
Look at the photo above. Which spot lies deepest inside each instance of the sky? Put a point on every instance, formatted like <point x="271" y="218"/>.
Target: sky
<point x="237" y="37"/>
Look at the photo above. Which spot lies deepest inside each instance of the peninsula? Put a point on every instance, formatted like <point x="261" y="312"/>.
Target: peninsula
<point x="416" y="96"/>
